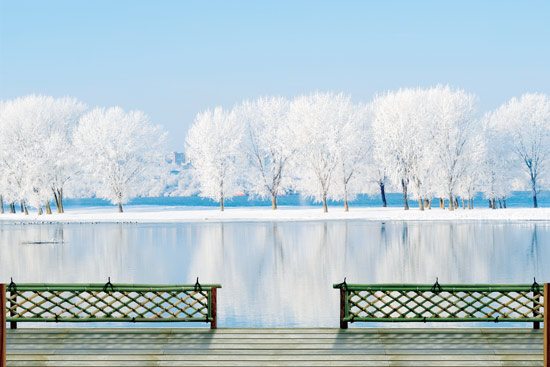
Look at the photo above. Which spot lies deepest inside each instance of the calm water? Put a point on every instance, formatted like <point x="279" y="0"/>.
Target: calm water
<point x="277" y="274"/>
<point x="518" y="199"/>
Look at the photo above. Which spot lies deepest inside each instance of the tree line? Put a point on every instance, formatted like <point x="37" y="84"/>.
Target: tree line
<point x="429" y="143"/>
<point x="425" y="142"/>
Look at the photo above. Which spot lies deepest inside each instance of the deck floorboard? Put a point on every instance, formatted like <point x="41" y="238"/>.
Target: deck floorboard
<point x="274" y="347"/>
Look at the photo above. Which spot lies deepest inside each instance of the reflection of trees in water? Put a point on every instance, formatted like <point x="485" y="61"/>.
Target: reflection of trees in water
<point x="279" y="273"/>
<point x="63" y="253"/>
<point x="534" y="250"/>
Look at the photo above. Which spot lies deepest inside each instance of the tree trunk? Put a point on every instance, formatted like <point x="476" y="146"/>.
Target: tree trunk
<point x="48" y="207"/>
<point x="120" y="210"/>
<point x="504" y="202"/>
<point x="25" y="208"/>
<point x="383" y="194"/>
<point x="12" y="208"/>
<point x="493" y="203"/>
<point x="421" y="204"/>
<point x="451" y="202"/>
<point x="405" y="195"/>
<point x="441" y="203"/>
<point x="60" y="198"/>
<point x="470" y="203"/>
<point x="222" y="204"/>
<point x="429" y="203"/>
<point x="40" y="212"/>
<point x="273" y="201"/>
<point x="346" y="205"/>
<point x="463" y="203"/>
<point x="1" y="204"/>
<point x="534" y="190"/>
<point x="56" y="199"/>
<point x="21" y="206"/>
<point x="456" y="203"/>
<point x="325" y="206"/>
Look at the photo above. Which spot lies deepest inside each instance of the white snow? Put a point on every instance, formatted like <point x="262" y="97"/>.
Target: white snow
<point x="163" y="214"/>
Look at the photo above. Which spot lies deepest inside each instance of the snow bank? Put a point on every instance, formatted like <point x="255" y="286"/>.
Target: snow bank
<point x="157" y="214"/>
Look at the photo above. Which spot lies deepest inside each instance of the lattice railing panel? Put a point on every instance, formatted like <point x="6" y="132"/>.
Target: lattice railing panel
<point x="97" y="303"/>
<point x="462" y="305"/>
<point x="459" y="303"/>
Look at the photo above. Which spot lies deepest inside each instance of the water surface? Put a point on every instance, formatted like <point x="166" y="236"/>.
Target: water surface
<point x="277" y="274"/>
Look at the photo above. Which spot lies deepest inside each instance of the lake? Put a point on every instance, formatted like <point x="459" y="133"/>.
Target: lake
<point x="277" y="274"/>
<point x="517" y="199"/>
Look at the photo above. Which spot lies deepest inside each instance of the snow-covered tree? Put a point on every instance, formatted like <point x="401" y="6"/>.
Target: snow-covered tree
<point x="471" y="180"/>
<point x="318" y="119"/>
<point x="400" y="140"/>
<point x="213" y="148"/>
<point x="120" y="152"/>
<point x="36" y="147"/>
<point x="267" y="133"/>
<point x="525" y="122"/>
<point x="353" y="148"/>
<point x="453" y="128"/>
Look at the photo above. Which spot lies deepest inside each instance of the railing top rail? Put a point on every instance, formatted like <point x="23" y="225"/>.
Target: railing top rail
<point x="110" y="287"/>
<point x="438" y="287"/>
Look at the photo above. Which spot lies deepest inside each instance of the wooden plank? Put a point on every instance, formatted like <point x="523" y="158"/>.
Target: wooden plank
<point x="275" y="347"/>
<point x="331" y="360"/>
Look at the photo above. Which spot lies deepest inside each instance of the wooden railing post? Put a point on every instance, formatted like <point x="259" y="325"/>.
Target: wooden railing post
<point x="214" y="306"/>
<point x="536" y="311"/>
<point x="343" y="324"/>
<point x="546" y="329"/>
<point x="3" y="330"/>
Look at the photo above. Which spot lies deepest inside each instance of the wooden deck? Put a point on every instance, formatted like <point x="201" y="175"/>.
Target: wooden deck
<point x="274" y="347"/>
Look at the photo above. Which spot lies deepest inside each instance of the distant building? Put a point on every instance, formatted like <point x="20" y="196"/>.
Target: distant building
<point x="179" y="158"/>
<point x="175" y="158"/>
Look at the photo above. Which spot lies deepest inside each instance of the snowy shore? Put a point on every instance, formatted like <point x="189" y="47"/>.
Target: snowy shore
<point x="163" y="214"/>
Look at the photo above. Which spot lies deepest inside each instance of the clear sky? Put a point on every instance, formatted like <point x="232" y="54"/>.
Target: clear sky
<point x="172" y="59"/>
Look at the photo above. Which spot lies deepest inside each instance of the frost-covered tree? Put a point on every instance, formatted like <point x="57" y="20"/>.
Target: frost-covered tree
<point x="471" y="180"/>
<point x="318" y="119"/>
<point x="267" y="149"/>
<point x="498" y="166"/>
<point x="525" y="122"/>
<point x="120" y="152"/>
<point x="400" y="140"/>
<point x="213" y="148"/>
<point x="353" y="148"/>
<point x="453" y="129"/>
<point x="36" y="151"/>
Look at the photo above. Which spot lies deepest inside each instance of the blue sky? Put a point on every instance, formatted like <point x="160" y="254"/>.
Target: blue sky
<point x="172" y="59"/>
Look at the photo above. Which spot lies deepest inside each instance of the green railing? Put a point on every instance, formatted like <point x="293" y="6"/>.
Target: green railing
<point x="110" y="303"/>
<point x="441" y="303"/>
